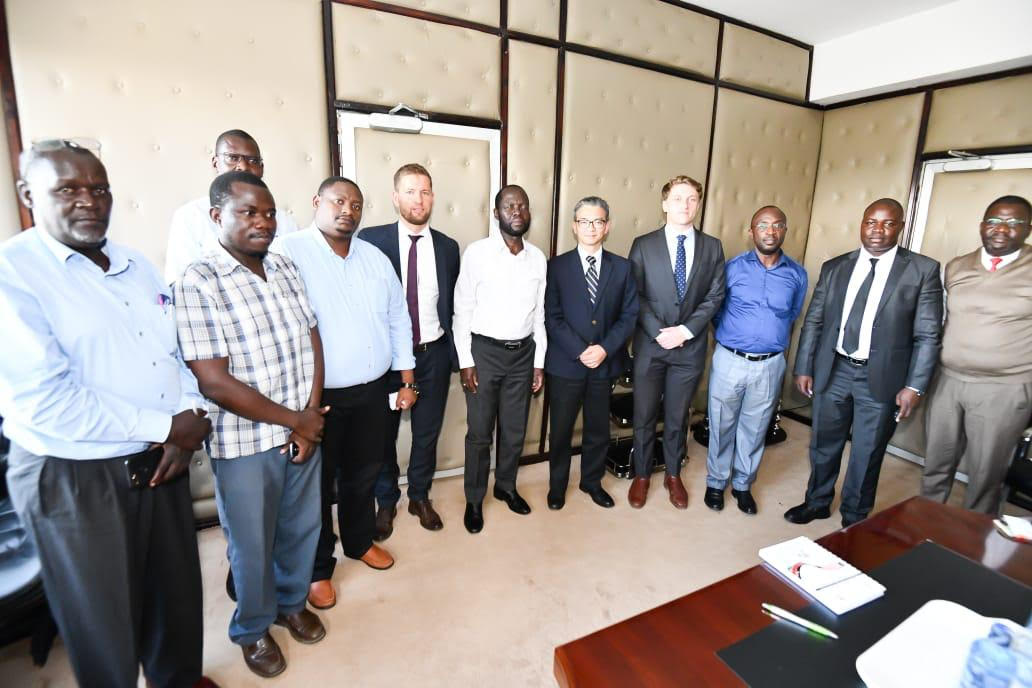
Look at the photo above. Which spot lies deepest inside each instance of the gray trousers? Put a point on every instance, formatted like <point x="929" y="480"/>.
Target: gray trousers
<point x="503" y="394"/>
<point x="658" y="378"/>
<point x="981" y="421"/>
<point x="120" y="567"/>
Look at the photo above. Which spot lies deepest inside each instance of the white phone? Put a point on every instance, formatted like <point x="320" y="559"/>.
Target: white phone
<point x="392" y="401"/>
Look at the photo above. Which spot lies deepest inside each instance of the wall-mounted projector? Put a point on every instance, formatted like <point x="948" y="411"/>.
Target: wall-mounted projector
<point x="396" y="122"/>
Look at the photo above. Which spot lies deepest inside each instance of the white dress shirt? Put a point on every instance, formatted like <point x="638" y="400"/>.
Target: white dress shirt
<point x="861" y="267"/>
<point x="583" y="253"/>
<point x="1006" y="260"/>
<point x="430" y="329"/>
<point x="689" y="258"/>
<point x="500" y="295"/>
<point x="192" y="235"/>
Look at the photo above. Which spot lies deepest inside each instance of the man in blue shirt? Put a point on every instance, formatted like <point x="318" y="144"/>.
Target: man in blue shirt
<point x="765" y="292"/>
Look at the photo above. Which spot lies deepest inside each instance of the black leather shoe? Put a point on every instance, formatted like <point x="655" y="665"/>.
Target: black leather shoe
<point x="474" y="518"/>
<point x="556" y="502"/>
<point x="714" y="498"/>
<point x="745" y="500"/>
<point x="600" y="497"/>
<point x="804" y="513"/>
<point x="230" y="585"/>
<point x="385" y="522"/>
<point x="513" y="499"/>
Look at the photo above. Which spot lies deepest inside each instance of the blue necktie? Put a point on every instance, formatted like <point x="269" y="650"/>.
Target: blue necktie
<point x="681" y="268"/>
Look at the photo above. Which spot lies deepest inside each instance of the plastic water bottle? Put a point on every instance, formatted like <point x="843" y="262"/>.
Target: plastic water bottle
<point x="989" y="665"/>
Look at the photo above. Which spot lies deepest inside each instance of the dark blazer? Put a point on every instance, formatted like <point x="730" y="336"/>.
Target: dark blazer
<point x="573" y="323"/>
<point x="657" y="293"/>
<point x="907" y="330"/>
<point x="446" y="257"/>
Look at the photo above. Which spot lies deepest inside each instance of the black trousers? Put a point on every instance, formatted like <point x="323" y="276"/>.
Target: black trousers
<point x="846" y="403"/>
<point x="659" y="377"/>
<point x="120" y="567"/>
<point x="503" y="394"/>
<point x="352" y="455"/>
<point x="566" y="396"/>
<point x="433" y="376"/>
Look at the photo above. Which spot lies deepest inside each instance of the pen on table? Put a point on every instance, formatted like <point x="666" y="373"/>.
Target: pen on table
<point x="780" y="613"/>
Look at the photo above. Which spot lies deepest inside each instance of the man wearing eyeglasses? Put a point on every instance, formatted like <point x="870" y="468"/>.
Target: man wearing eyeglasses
<point x="192" y="233"/>
<point x="765" y="292"/>
<point x="982" y="398"/>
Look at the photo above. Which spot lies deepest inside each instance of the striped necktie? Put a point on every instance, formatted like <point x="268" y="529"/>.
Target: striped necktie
<point x="592" y="277"/>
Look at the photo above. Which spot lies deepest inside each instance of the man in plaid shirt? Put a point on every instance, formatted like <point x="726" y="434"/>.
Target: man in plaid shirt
<point x="248" y="332"/>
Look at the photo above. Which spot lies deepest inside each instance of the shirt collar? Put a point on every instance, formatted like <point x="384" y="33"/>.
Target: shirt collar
<point x="987" y="259"/>
<point x="119" y="260"/>
<point x="672" y="234"/>
<point x="890" y="254"/>
<point x="405" y="229"/>
<point x="781" y="259"/>
<point x="225" y="263"/>
<point x="583" y="253"/>
<point x="503" y="247"/>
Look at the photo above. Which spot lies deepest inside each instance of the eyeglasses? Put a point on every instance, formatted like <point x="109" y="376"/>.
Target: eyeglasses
<point x="234" y="158"/>
<point x="764" y="226"/>
<point x="597" y="223"/>
<point x="1013" y="222"/>
<point x="76" y="143"/>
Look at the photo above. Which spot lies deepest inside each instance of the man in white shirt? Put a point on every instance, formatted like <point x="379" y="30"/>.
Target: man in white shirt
<point x="192" y="233"/>
<point x="499" y="329"/>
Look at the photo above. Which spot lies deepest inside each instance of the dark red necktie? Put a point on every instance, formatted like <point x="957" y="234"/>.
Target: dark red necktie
<point x="412" y="290"/>
<point x="995" y="264"/>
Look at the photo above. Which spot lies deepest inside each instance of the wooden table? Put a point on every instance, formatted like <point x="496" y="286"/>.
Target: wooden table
<point x="676" y="644"/>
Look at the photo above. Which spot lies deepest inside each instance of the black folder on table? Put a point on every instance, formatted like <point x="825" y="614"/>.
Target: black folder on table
<point x="783" y="654"/>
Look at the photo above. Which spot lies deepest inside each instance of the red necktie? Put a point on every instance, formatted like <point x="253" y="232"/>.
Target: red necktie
<point x="995" y="263"/>
<point x="411" y="289"/>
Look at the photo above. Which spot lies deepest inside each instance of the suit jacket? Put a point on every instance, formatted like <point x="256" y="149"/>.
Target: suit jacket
<point x="906" y="334"/>
<point x="657" y="294"/>
<point x="573" y="323"/>
<point x="446" y="258"/>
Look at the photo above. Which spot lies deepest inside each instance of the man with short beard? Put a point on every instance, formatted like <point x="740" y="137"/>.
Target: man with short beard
<point x="499" y="329"/>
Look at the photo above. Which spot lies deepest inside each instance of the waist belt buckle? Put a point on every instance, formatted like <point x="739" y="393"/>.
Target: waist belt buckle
<point x="512" y="346"/>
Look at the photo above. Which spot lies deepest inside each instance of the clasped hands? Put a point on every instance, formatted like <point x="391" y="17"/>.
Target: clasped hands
<point x="671" y="337"/>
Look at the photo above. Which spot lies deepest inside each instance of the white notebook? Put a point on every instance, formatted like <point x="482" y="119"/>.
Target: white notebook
<point x="822" y="575"/>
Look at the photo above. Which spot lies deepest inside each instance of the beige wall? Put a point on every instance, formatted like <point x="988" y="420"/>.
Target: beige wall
<point x="981" y="115"/>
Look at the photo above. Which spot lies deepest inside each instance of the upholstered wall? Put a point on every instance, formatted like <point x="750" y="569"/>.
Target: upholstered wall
<point x="537" y="17"/>
<point x="751" y="58"/>
<point x="10" y="223"/>
<point x="981" y="115"/>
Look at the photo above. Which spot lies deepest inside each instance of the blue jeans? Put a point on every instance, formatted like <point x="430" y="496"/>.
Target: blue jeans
<point x="269" y="509"/>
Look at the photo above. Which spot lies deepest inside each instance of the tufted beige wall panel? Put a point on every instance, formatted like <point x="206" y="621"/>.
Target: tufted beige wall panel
<point x="764" y="152"/>
<point x="531" y="149"/>
<point x="156" y="82"/>
<point x="10" y="222"/>
<point x="471" y="10"/>
<point x="981" y="115"/>
<point x="646" y="29"/>
<point x="751" y="58"/>
<point x="431" y="66"/>
<point x="539" y="17"/>
<point x="626" y="131"/>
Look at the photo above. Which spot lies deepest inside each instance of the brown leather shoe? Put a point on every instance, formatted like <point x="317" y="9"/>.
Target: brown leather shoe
<point x="428" y="518"/>
<point x="304" y="626"/>
<point x="378" y="558"/>
<point x="321" y="594"/>
<point x="678" y="495"/>
<point x="638" y="493"/>
<point x="205" y="682"/>
<point x="385" y="522"/>
<point x="264" y="657"/>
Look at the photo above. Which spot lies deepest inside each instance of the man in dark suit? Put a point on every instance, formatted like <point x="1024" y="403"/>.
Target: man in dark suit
<point x="680" y="276"/>
<point x="867" y="351"/>
<point x="591" y="305"/>
<point x="427" y="262"/>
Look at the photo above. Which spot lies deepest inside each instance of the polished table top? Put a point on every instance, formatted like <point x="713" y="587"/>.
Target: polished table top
<point x="676" y="644"/>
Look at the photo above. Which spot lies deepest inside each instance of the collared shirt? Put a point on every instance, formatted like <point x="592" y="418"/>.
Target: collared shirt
<point x="426" y="283"/>
<point x="192" y="235"/>
<point x="1004" y="260"/>
<point x="363" y="318"/>
<point x="861" y="267"/>
<point x="223" y="310"/>
<point x="500" y="295"/>
<point x="761" y="303"/>
<point x="89" y="366"/>
<point x="597" y="255"/>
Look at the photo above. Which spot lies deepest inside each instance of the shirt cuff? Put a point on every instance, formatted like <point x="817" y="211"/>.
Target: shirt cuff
<point x="687" y="332"/>
<point x="465" y="359"/>
<point x="152" y="426"/>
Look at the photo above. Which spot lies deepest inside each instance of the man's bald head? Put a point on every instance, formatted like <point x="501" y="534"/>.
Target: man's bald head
<point x="881" y="225"/>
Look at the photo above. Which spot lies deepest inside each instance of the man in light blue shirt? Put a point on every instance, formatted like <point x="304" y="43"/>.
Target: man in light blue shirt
<point x="366" y="332"/>
<point x="99" y="409"/>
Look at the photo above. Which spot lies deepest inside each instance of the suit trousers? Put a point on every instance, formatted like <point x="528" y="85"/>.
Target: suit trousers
<point x="566" y="396"/>
<point x="659" y="377"/>
<point x="433" y="376"/>
<point x="119" y="566"/>
<point x="503" y="395"/>
<point x="846" y="403"/>
<point x="352" y="448"/>
<point x="979" y="420"/>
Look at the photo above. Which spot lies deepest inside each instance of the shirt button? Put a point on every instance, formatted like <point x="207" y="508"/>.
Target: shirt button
<point x="141" y="334"/>
<point x="594" y="322"/>
<point x="154" y="363"/>
<point x="162" y="396"/>
<point x="127" y="303"/>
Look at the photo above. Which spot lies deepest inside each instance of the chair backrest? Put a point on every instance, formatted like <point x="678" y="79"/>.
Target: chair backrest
<point x="1018" y="483"/>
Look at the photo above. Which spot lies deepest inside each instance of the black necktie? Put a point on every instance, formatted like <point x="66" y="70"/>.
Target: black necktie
<point x="851" y="334"/>
<point x="592" y="277"/>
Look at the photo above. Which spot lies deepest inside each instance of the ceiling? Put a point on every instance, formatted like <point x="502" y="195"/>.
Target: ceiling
<point x="816" y="21"/>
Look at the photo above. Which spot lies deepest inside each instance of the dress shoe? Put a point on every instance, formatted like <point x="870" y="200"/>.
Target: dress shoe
<point x="804" y="513"/>
<point x="678" y="495"/>
<point x="638" y="493"/>
<point x="230" y="585"/>
<point x="513" y="499"/>
<point x="474" y="517"/>
<point x="377" y="557"/>
<point x="600" y="497"/>
<point x="745" y="500"/>
<point x="850" y="520"/>
<point x="321" y="594"/>
<point x="264" y="657"/>
<point x="424" y="509"/>
<point x="385" y="522"/>
<point x="304" y="626"/>
<point x="205" y="682"/>
<point x="556" y="502"/>
<point x="714" y="498"/>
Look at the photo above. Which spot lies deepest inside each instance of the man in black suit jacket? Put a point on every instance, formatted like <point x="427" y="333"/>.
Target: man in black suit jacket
<point x="680" y="276"/>
<point x="867" y="351"/>
<point x="591" y="305"/>
<point x="427" y="262"/>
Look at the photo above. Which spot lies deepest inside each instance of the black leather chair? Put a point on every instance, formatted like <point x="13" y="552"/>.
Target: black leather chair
<point x="1017" y="486"/>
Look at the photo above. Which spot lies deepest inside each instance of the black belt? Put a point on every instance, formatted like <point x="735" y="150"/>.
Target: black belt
<point x="508" y="345"/>
<point x="852" y="361"/>
<point x="420" y="348"/>
<point x="752" y="357"/>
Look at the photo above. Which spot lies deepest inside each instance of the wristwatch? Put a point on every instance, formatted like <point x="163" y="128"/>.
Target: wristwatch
<point x="411" y="385"/>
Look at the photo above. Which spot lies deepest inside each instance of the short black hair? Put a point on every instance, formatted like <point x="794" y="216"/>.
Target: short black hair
<point x="1011" y="199"/>
<point x="234" y="134"/>
<point x="330" y="181"/>
<point x="222" y="186"/>
<point x="891" y="202"/>
<point x="498" y="196"/>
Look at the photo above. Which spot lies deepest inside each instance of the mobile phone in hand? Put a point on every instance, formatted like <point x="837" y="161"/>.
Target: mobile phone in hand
<point x="293" y="450"/>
